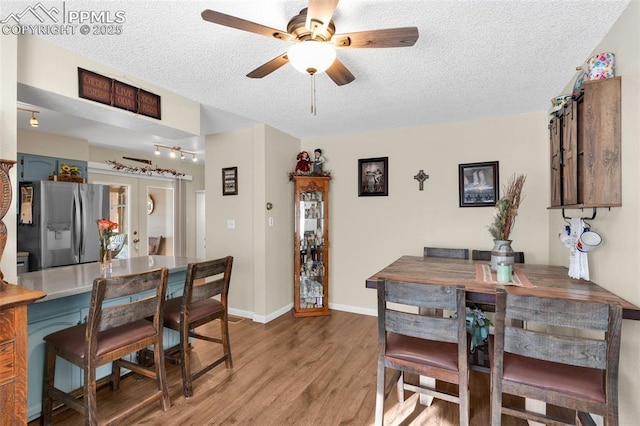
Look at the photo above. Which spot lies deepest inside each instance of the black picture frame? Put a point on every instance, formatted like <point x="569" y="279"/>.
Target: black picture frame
<point x="478" y="184"/>
<point x="373" y="177"/>
<point x="230" y="181"/>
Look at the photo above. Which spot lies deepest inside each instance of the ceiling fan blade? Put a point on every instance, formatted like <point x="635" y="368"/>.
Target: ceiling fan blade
<point x="391" y="37"/>
<point x="319" y="13"/>
<point x="244" y="25"/>
<point x="339" y="73"/>
<point x="269" y="67"/>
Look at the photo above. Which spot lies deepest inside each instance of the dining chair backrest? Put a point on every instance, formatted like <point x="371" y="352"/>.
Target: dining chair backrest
<point x="518" y="256"/>
<point x="152" y="285"/>
<point x="409" y="341"/>
<point x="452" y="253"/>
<point x="567" y="356"/>
<point x="207" y="279"/>
<point x="198" y="306"/>
<point x="125" y="316"/>
<point x="156" y="245"/>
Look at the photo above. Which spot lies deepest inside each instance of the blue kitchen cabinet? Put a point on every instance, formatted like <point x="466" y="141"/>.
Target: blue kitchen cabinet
<point x="67" y="375"/>
<point x="39" y="167"/>
<point x="49" y="316"/>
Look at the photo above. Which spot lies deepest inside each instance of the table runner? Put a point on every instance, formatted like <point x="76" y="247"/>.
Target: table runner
<point x="485" y="275"/>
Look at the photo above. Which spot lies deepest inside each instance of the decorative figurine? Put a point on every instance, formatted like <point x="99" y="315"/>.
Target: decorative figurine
<point x="302" y="163"/>
<point x="317" y="162"/>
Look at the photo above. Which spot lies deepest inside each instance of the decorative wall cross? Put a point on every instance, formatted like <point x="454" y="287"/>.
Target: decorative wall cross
<point x="421" y="177"/>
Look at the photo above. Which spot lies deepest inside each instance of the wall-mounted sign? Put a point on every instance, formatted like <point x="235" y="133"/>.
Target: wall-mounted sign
<point x="115" y="93"/>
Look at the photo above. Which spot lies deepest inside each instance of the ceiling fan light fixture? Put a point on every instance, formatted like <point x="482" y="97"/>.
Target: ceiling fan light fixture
<point x="311" y="57"/>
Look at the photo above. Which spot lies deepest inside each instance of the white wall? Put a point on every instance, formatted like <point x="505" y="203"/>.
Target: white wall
<point x="615" y="264"/>
<point x="368" y="233"/>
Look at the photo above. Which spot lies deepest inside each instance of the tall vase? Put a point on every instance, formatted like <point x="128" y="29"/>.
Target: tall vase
<point x="502" y="253"/>
<point x="104" y="256"/>
<point x="5" y="202"/>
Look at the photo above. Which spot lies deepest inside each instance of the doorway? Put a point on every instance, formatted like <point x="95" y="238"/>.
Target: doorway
<point x="160" y="220"/>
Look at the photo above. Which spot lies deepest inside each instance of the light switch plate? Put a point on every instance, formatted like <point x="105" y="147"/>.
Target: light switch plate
<point x="231" y="224"/>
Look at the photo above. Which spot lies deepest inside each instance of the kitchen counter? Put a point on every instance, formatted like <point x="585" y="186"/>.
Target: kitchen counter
<point x="67" y="281"/>
<point x="67" y="303"/>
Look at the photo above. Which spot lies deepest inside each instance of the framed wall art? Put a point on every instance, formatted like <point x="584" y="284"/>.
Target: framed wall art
<point x="230" y="181"/>
<point x="478" y="184"/>
<point x="373" y="177"/>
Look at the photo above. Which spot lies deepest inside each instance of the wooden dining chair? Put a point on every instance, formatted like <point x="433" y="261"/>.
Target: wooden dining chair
<point x="426" y="345"/>
<point x="197" y="307"/>
<point x="156" y="245"/>
<point x="575" y="372"/>
<point x="518" y="256"/>
<point x="116" y="326"/>
<point x="452" y="253"/>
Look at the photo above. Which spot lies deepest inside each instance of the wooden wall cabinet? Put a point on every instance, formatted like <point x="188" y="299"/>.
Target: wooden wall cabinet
<point x="311" y="242"/>
<point x="586" y="148"/>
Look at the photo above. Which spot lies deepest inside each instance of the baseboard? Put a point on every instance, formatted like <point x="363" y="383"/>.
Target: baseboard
<point x="263" y="319"/>
<point x="354" y="309"/>
<point x="240" y="313"/>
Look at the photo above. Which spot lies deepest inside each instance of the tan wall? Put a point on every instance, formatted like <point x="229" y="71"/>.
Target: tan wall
<point x="280" y="157"/>
<point x="615" y="264"/>
<point x="368" y="233"/>
<point x="49" y="67"/>
<point x="229" y="150"/>
<point x="40" y="143"/>
<point x="261" y="284"/>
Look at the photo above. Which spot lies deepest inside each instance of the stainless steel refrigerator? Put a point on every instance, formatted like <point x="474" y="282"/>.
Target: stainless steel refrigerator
<point x="64" y="229"/>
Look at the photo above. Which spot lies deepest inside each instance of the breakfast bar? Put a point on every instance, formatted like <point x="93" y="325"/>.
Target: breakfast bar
<point x="68" y="292"/>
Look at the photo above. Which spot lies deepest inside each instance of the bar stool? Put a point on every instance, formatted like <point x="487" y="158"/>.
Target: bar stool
<point x="111" y="332"/>
<point x="432" y="346"/>
<point x="196" y="307"/>
<point x="576" y="370"/>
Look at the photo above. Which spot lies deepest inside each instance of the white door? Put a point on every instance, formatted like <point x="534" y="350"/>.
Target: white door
<point x="201" y="239"/>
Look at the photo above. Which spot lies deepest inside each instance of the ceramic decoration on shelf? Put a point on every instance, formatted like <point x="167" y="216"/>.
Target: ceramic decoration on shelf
<point x="582" y="76"/>
<point x="558" y="102"/>
<point x="601" y="66"/>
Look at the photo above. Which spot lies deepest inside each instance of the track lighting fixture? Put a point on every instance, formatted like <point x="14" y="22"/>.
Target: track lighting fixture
<point x="175" y="150"/>
<point x="33" y="121"/>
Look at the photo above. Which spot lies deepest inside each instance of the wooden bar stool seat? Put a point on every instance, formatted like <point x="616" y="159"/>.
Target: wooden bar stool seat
<point x="197" y="307"/>
<point x="577" y="369"/>
<point x="116" y="326"/>
<point x="427" y="345"/>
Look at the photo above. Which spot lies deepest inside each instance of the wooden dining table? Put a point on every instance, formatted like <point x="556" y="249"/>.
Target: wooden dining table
<point x="534" y="280"/>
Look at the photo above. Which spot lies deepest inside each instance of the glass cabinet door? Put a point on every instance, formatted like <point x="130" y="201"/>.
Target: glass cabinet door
<point x="311" y="246"/>
<point x="311" y="240"/>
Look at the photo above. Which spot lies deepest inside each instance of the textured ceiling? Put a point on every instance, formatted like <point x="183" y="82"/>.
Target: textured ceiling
<point x="473" y="59"/>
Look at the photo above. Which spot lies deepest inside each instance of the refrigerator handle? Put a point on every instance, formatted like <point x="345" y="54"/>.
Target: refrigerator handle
<point x="77" y="227"/>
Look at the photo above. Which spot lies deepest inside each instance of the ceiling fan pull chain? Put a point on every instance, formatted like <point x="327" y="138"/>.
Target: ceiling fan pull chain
<point x="313" y="94"/>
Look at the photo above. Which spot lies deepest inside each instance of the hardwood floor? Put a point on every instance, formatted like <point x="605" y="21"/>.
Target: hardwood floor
<point x="302" y="371"/>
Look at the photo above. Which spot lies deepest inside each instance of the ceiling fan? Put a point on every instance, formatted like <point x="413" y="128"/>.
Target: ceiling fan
<point x="313" y="33"/>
